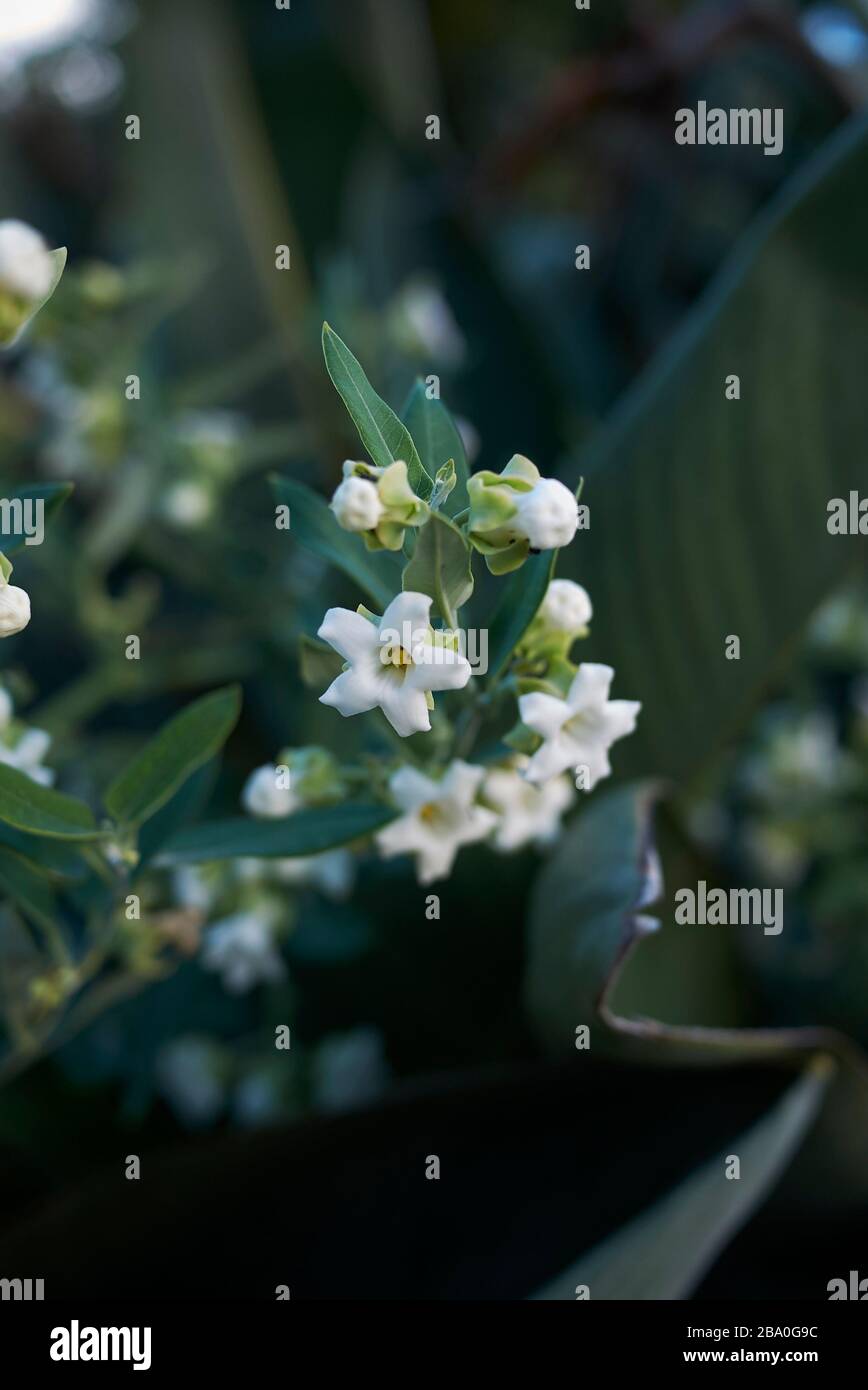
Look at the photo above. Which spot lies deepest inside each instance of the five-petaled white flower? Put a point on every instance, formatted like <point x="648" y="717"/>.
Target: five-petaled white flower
<point x="527" y="814"/>
<point x="439" y="817"/>
<point x="394" y="662"/>
<point x="241" y="949"/>
<point x="580" y="730"/>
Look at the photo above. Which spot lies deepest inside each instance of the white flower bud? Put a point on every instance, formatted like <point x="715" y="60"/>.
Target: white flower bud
<point x="26" y="267"/>
<point x="14" y="610"/>
<point x="566" y="607"/>
<point x="548" y="515"/>
<point x="263" y="794"/>
<point x="356" y="505"/>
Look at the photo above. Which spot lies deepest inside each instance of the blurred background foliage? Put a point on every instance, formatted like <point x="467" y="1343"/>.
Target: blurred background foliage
<point x="456" y="256"/>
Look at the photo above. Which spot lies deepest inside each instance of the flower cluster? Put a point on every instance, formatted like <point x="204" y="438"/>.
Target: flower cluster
<point x="398" y="659"/>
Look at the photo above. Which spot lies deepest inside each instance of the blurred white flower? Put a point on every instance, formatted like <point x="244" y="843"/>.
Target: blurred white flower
<point x="14" y="610"/>
<point x="566" y="607"/>
<point x="332" y="873"/>
<point x="257" y="1099"/>
<point x="580" y="730"/>
<point x="26" y="267"/>
<point x="393" y="662"/>
<point x="526" y="814"/>
<point x="265" y="794"/>
<point x="439" y="818"/>
<point x="188" y="503"/>
<point x="241" y="950"/>
<point x="6" y="707"/>
<point x="192" y="886"/>
<point x="424" y="325"/>
<point x="349" y="1070"/>
<point x="187" y="1073"/>
<point x="26" y="754"/>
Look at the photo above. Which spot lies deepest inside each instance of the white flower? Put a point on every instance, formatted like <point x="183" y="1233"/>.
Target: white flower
<point x="332" y="873"/>
<point x="527" y="814"/>
<point x="241" y="949"/>
<point x="566" y="607"/>
<point x="188" y="503"/>
<point x="14" y="610"/>
<point x="393" y="663"/>
<point x="26" y="755"/>
<point x="265" y="795"/>
<point x="26" y="267"/>
<point x="424" y="323"/>
<point x="548" y="515"/>
<point x="439" y="818"/>
<point x="580" y="730"/>
<point x="356" y="504"/>
<point x="193" y="886"/>
<point x="6" y="707"/>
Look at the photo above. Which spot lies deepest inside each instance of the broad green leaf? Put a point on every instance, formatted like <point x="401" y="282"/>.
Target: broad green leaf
<point x="709" y="516"/>
<point x="378" y="573"/>
<point x="181" y="809"/>
<point x="665" y="1252"/>
<point x="41" y="811"/>
<point x="58" y="258"/>
<point x="382" y="433"/>
<point x="28" y="888"/>
<point x="441" y="566"/>
<point x="522" y="595"/>
<point x="306" y="832"/>
<point x="436" y="437"/>
<point x="51" y="495"/>
<point x="181" y="746"/>
<point x="588" y="911"/>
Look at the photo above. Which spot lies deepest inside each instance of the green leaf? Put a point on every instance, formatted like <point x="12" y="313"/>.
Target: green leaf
<point x="437" y="439"/>
<point x="52" y="496"/>
<point x="520" y="599"/>
<point x="58" y="258"/>
<point x="665" y="1252"/>
<point x="382" y="433"/>
<point x="709" y="515"/>
<point x="52" y="858"/>
<point x="5" y="568"/>
<point x="376" y="572"/>
<point x="41" y="811"/>
<point x="588" y="912"/>
<point x="441" y="566"/>
<point x="181" y="746"/>
<point x="28" y="888"/>
<point x="306" y="832"/>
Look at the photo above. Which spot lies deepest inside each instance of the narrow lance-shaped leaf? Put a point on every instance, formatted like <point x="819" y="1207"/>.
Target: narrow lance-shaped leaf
<point x="382" y="433"/>
<point x="41" y="811"/>
<point x="28" y="888"/>
<point x="312" y="523"/>
<point x="664" y="1253"/>
<point x="522" y="595"/>
<point x="181" y="746"/>
<point x="306" y="832"/>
